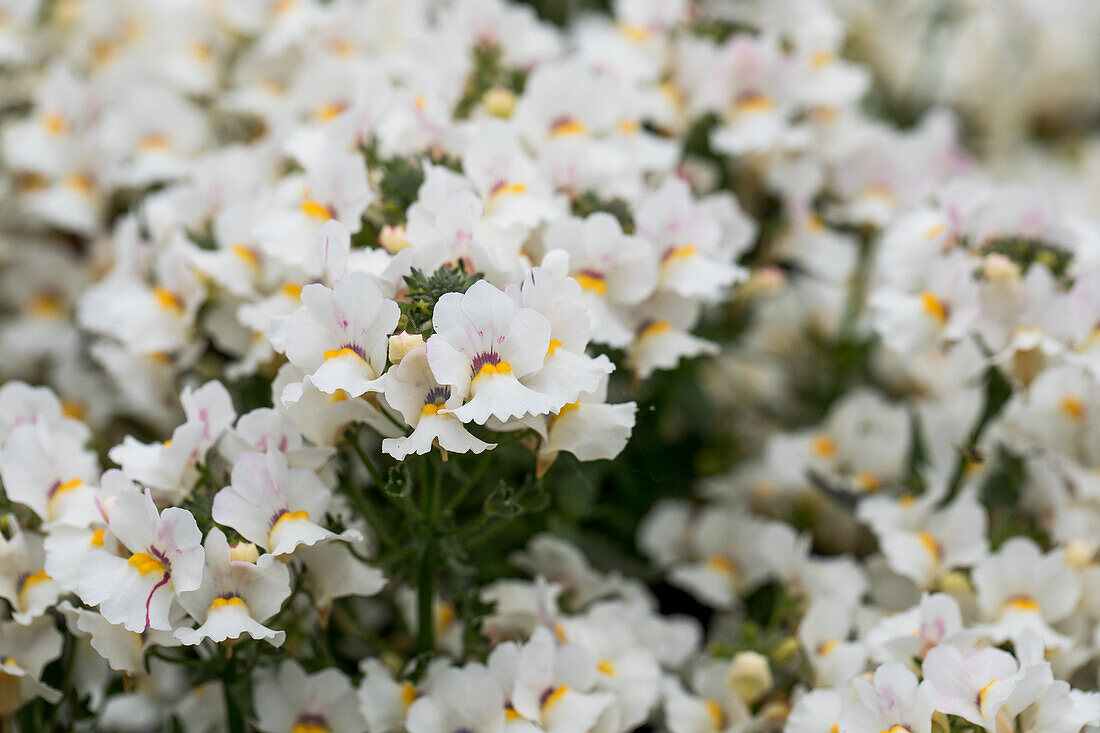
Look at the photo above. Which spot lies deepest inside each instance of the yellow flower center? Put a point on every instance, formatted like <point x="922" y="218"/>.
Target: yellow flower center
<point x="491" y="369"/>
<point x="146" y="563"/>
<point x="934" y="307"/>
<point x="592" y="283"/>
<point x="168" y="300"/>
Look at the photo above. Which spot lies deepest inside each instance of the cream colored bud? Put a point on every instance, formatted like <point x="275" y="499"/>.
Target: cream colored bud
<point x="765" y="281"/>
<point x="499" y="102"/>
<point x="1000" y="269"/>
<point x="955" y="583"/>
<point x="749" y="676"/>
<point x="393" y="239"/>
<point x="403" y="343"/>
<point x="244" y="552"/>
<point x="1078" y="554"/>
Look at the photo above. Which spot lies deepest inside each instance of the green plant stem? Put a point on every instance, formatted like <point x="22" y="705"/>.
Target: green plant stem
<point x="233" y="718"/>
<point x="425" y="632"/>
<point x="375" y="474"/>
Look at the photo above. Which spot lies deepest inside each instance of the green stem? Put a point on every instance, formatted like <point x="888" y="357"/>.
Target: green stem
<point x="233" y="717"/>
<point x="366" y="461"/>
<point x="425" y="632"/>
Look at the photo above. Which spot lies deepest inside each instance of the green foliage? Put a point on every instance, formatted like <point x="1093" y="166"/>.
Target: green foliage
<point x="489" y="72"/>
<point x="1026" y="251"/>
<point x="590" y="202"/>
<point x="424" y="291"/>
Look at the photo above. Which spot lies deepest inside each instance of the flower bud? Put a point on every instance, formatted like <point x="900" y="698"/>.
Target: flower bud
<point x="393" y="239"/>
<point x="749" y="676"/>
<point x="956" y="583"/>
<point x="402" y="343"/>
<point x="499" y="102"/>
<point x="999" y="268"/>
<point x="1078" y="554"/>
<point x="244" y="552"/>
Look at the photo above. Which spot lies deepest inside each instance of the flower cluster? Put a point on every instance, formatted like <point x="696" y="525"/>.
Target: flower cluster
<point x="353" y="379"/>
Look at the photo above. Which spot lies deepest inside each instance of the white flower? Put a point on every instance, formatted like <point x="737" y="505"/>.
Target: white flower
<point x="166" y="559"/>
<point x="424" y="404"/>
<point x="272" y="506"/>
<point x="24" y="653"/>
<point x="289" y="701"/>
<point x="339" y="337"/>
<point x="1021" y="588"/>
<point x="468" y="699"/>
<point x="892" y="700"/>
<point x="236" y="596"/>
<point x="482" y="346"/>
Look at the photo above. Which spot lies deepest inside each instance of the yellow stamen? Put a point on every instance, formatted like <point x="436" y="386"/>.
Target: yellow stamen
<point x="146" y="563"/>
<point x="554" y="697"/>
<point x="929" y="543"/>
<point x="511" y="715"/>
<point x="716" y="714"/>
<point x="867" y="481"/>
<point x="39" y="577"/>
<point x="431" y="410"/>
<point x="934" y="307"/>
<point x="934" y="231"/>
<point x="408" y="694"/>
<point x="247" y="254"/>
<point x="680" y="253"/>
<point x="592" y="283"/>
<point x="628" y="127"/>
<point x="315" y="210"/>
<point x="508" y="188"/>
<point x="568" y="127"/>
<point x="753" y="103"/>
<point x="46" y="305"/>
<point x="607" y="667"/>
<point x="292" y="290"/>
<point x="444" y="616"/>
<point x="823" y="446"/>
<point x="1022" y="603"/>
<point x="559" y="632"/>
<point x="553" y="346"/>
<point x="64" y="487"/>
<point x="723" y="564"/>
<point x="491" y="369"/>
<point x="73" y="409"/>
<point x="821" y="59"/>
<point x="329" y="111"/>
<point x="220" y="603"/>
<point x="54" y="123"/>
<point x="80" y="183"/>
<point x="168" y="300"/>
<point x="634" y="32"/>
<point x="337" y="353"/>
<point x="655" y="328"/>
<point x="565" y="410"/>
<point x="97" y="538"/>
<point x="287" y="516"/>
<point x="826" y="648"/>
<point x="201" y="52"/>
<point x="155" y="141"/>
<point x="907" y="501"/>
<point x="310" y="728"/>
<point x="1073" y="407"/>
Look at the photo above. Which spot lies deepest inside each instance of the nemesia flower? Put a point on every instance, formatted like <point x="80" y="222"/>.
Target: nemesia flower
<point x="236" y="595"/>
<point x="289" y="699"/>
<point x="339" y="337"/>
<point x="891" y="698"/>
<point x="271" y="505"/>
<point x="25" y="651"/>
<point x="483" y="345"/>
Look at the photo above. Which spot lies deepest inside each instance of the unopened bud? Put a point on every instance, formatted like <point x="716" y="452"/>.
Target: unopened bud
<point x="403" y="343"/>
<point x="244" y="552"/>
<point x="749" y="676"/>
<point x="1078" y="554"/>
<point x="499" y="102"/>
<point x="1000" y="269"/>
<point x="393" y="239"/>
<point x="956" y="583"/>
<point x="765" y="281"/>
